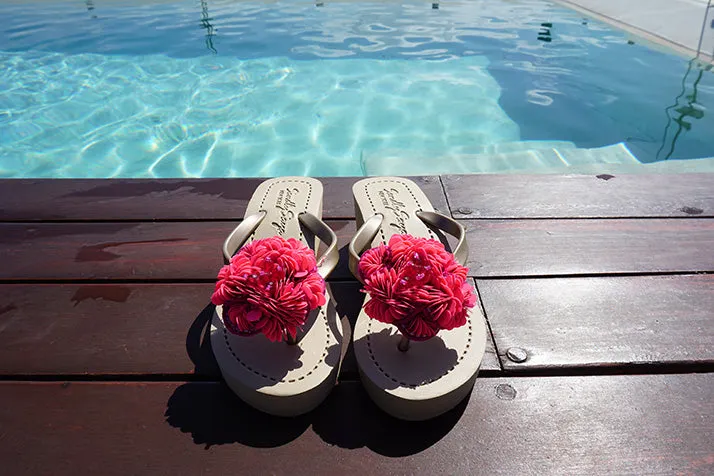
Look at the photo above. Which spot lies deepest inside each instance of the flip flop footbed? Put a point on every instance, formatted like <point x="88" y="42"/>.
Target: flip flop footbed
<point x="433" y="375"/>
<point x="276" y="377"/>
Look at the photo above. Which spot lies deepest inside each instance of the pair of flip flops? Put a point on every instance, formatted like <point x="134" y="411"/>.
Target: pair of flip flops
<point x="276" y="333"/>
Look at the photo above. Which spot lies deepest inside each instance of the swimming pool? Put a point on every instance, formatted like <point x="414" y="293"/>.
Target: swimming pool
<point x="223" y="88"/>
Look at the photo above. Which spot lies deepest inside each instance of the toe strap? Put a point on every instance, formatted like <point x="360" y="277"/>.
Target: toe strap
<point x="365" y="235"/>
<point x="362" y="240"/>
<point x="453" y="228"/>
<point x="240" y="235"/>
<point x="327" y="260"/>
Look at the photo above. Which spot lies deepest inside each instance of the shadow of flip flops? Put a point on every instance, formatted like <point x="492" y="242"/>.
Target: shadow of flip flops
<point x="198" y="345"/>
<point x="349" y="419"/>
<point x="213" y="415"/>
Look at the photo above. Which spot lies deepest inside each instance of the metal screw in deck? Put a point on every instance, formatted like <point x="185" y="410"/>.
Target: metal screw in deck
<point x="517" y="355"/>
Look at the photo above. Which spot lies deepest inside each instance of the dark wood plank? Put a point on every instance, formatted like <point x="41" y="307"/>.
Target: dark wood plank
<point x="149" y="199"/>
<point x="124" y="199"/>
<point x="603" y="321"/>
<point x="113" y="329"/>
<point x="105" y="329"/>
<point x="572" y="196"/>
<point x="130" y="250"/>
<point x="572" y="247"/>
<point x="191" y="250"/>
<point x="656" y="424"/>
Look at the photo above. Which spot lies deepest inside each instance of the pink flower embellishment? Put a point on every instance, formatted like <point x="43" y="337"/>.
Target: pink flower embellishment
<point x="418" y="286"/>
<point x="270" y="286"/>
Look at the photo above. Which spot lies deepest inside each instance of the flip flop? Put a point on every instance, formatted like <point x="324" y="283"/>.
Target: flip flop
<point x="275" y="333"/>
<point x="420" y="338"/>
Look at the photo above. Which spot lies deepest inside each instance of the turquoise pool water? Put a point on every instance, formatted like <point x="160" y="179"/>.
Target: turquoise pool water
<point x="225" y="88"/>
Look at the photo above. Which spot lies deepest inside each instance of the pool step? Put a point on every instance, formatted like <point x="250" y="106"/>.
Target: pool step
<point x="525" y="145"/>
<point x="611" y="154"/>
<point x="674" y="166"/>
<point x="503" y="158"/>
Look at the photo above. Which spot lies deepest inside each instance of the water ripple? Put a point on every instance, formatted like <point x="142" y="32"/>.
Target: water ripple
<point x="219" y="88"/>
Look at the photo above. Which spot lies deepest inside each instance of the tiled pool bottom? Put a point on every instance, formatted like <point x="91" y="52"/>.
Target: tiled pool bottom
<point x="154" y="116"/>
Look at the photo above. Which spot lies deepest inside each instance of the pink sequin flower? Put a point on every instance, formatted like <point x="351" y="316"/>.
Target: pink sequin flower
<point x="418" y="286"/>
<point x="270" y="286"/>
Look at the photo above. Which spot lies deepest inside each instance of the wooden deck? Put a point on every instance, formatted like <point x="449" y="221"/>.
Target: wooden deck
<point x="605" y="283"/>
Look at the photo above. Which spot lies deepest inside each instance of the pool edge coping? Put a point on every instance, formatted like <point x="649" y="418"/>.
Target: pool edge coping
<point x="649" y="36"/>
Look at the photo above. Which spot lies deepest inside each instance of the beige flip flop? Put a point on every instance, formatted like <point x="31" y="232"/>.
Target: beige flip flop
<point x="409" y="379"/>
<point x="291" y="376"/>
